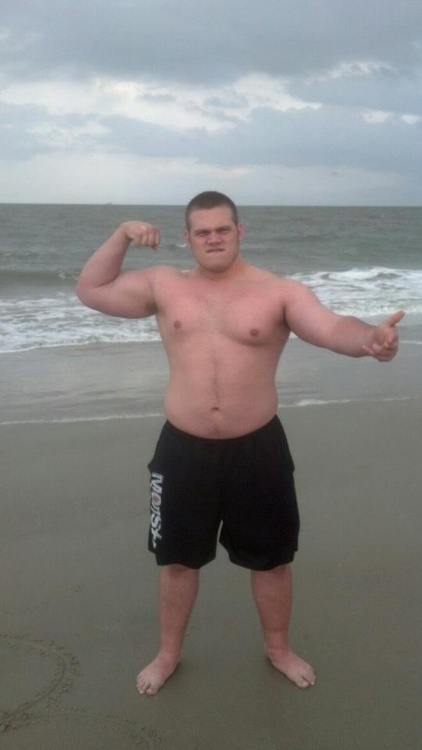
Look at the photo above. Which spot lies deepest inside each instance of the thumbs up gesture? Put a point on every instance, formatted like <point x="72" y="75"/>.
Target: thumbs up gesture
<point x="385" y="339"/>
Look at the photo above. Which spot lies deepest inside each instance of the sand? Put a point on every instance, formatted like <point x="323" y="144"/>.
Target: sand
<point x="78" y="595"/>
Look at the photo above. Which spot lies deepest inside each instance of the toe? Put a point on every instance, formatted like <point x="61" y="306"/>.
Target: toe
<point x="141" y="685"/>
<point x="308" y="680"/>
<point x="303" y="683"/>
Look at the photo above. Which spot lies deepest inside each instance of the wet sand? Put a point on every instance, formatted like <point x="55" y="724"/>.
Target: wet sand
<point x="78" y="595"/>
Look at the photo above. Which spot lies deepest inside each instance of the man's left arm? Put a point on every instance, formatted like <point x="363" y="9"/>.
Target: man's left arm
<point x="311" y="321"/>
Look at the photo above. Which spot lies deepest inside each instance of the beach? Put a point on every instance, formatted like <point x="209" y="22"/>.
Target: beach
<point x="78" y="594"/>
<point x="81" y="406"/>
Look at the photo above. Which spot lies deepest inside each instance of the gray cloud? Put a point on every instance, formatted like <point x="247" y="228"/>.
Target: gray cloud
<point x="326" y="137"/>
<point x="206" y="42"/>
<point x="384" y="90"/>
<point x="347" y="55"/>
<point x="14" y="123"/>
<point x="330" y="136"/>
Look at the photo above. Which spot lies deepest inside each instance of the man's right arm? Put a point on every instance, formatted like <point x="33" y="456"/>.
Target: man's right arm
<point x="102" y="284"/>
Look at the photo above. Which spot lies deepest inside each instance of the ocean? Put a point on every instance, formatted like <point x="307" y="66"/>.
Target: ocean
<point x="61" y="361"/>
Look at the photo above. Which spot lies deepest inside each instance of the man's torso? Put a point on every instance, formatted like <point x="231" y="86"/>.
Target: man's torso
<point x="223" y="340"/>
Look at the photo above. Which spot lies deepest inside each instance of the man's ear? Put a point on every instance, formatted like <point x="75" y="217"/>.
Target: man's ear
<point x="186" y="236"/>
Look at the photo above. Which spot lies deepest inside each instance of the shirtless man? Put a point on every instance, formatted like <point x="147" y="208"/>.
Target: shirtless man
<point x="222" y="455"/>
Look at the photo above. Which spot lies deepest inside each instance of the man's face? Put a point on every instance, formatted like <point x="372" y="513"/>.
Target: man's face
<point x="214" y="238"/>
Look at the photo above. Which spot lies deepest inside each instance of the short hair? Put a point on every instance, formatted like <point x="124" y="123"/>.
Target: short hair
<point x="210" y="199"/>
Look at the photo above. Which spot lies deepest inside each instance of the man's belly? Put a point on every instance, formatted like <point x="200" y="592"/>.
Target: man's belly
<point x="221" y="417"/>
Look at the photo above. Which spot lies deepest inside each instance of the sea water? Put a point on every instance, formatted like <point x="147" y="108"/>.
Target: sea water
<point x="61" y="360"/>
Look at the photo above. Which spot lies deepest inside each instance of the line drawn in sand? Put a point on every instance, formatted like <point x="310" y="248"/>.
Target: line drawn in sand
<point x="59" y="677"/>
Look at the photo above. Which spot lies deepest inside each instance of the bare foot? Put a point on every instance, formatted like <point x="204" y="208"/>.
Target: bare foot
<point x="293" y="667"/>
<point x="153" y="677"/>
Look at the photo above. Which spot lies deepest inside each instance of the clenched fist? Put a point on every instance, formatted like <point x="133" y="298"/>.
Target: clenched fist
<point x="141" y="233"/>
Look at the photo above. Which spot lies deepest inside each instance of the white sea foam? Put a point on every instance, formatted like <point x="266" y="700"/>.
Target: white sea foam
<point x="37" y="320"/>
<point x="77" y="420"/>
<point x="326" y="402"/>
<point x="368" y="292"/>
<point x="61" y="320"/>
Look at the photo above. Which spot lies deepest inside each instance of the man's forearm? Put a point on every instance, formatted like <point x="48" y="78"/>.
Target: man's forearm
<point x="352" y="336"/>
<point x="105" y="264"/>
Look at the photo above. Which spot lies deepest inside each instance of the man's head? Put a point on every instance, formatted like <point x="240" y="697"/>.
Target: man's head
<point x="210" y="199"/>
<point x="213" y="233"/>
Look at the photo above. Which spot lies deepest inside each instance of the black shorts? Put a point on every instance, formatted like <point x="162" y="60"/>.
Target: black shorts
<point x="244" y="485"/>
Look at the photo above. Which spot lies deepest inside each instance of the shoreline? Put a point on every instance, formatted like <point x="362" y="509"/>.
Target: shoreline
<point x="315" y="403"/>
<point x="105" y="381"/>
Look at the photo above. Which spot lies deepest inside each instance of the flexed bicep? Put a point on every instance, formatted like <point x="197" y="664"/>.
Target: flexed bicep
<point x="130" y="295"/>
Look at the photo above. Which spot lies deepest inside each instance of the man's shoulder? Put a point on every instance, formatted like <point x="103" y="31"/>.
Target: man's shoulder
<point x="283" y="289"/>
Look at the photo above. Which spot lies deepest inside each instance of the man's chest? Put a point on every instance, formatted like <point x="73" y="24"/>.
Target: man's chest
<point x="246" y="314"/>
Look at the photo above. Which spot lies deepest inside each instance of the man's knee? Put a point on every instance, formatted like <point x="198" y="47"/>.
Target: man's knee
<point x="177" y="569"/>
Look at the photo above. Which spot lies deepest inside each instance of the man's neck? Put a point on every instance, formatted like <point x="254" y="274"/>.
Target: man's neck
<point x="236" y="271"/>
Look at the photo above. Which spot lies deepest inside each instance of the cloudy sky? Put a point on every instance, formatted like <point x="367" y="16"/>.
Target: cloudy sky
<point x="150" y="101"/>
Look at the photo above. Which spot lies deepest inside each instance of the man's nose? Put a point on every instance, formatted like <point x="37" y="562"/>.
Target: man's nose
<point x="213" y="237"/>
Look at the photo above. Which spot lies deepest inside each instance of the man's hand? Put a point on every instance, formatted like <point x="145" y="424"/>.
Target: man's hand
<point x="141" y="233"/>
<point x="385" y="340"/>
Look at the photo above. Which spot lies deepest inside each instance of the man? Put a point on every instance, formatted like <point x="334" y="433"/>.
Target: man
<point x="222" y="457"/>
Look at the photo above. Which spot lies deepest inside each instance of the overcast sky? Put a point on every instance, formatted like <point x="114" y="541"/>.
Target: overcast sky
<point x="151" y="101"/>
